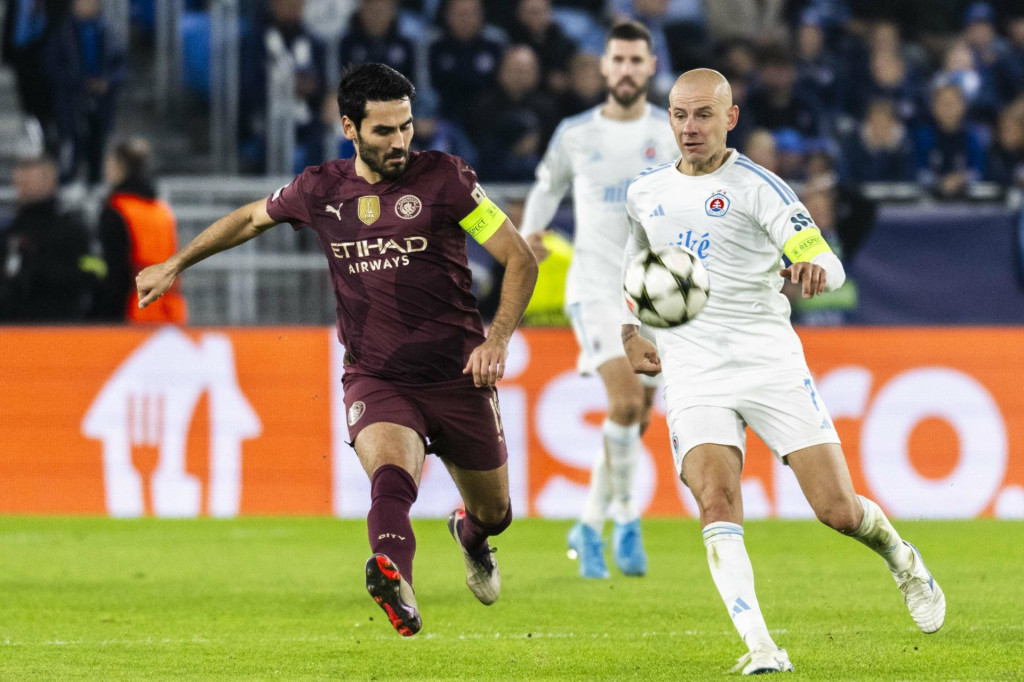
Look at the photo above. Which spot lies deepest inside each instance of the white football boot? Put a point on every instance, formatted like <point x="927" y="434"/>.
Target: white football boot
<point x="763" y="661"/>
<point x="924" y="597"/>
<point x="482" y="574"/>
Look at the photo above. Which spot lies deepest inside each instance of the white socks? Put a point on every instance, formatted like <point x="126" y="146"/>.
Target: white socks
<point x="734" y="578"/>
<point x="598" y="496"/>
<point x="877" y="533"/>
<point x="611" y="479"/>
<point x="621" y="445"/>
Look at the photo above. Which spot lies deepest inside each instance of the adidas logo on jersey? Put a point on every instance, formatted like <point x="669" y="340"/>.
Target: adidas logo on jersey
<point x="657" y="212"/>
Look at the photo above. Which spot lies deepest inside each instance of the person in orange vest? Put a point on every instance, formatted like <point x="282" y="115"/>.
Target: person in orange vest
<point x="136" y="230"/>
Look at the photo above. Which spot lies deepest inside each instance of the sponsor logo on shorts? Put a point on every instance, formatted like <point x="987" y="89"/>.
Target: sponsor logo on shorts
<point x="408" y="207"/>
<point x="356" y="411"/>
<point x="675" y="444"/>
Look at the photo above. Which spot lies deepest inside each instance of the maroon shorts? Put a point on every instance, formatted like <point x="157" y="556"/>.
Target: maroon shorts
<point x="456" y="420"/>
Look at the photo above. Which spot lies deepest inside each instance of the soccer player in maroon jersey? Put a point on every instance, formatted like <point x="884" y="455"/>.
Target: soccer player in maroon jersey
<point x="420" y="373"/>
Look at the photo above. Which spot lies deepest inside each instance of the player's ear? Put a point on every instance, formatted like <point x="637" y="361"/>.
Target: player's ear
<point x="732" y="117"/>
<point x="348" y="128"/>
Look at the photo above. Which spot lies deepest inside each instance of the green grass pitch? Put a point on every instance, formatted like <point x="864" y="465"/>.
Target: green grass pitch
<point x="283" y="599"/>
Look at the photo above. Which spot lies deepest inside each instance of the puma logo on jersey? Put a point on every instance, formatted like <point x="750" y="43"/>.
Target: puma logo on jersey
<point x="335" y="211"/>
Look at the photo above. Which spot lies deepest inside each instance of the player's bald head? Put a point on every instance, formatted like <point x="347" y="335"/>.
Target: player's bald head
<point x="703" y="82"/>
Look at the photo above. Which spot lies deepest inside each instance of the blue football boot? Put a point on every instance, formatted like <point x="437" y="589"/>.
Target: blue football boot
<point x="628" y="548"/>
<point x="585" y="544"/>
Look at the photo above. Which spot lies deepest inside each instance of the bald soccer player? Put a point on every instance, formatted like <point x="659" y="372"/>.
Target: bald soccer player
<point x="741" y="363"/>
<point x="420" y="373"/>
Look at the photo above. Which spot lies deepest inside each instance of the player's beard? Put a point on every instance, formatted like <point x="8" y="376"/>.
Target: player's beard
<point x="627" y="100"/>
<point x="377" y="160"/>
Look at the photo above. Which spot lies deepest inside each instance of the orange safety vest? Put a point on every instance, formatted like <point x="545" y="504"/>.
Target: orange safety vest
<point x="152" y="232"/>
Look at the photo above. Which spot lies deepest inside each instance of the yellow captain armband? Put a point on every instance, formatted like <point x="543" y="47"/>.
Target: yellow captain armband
<point x="805" y="245"/>
<point x="484" y="221"/>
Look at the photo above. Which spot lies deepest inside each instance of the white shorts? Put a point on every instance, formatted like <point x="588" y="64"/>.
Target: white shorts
<point x="782" y="407"/>
<point x="598" y="329"/>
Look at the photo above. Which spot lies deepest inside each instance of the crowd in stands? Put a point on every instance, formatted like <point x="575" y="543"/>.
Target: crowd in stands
<point x="917" y="91"/>
<point x="928" y="91"/>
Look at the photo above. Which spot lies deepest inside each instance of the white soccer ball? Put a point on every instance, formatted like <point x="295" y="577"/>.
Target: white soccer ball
<point x="666" y="287"/>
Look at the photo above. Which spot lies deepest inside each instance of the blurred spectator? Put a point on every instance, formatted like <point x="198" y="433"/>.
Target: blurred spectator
<point x="47" y="273"/>
<point x="136" y="230"/>
<point x="281" y="42"/>
<point x="976" y="85"/>
<point x="464" y="60"/>
<point x="889" y="78"/>
<point x="817" y="67"/>
<point x="981" y="38"/>
<point x="1008" y="72"/>
<point x="880" y="149"/>
<point x="87" y="68"/>
<point x="776" y="102"/>
<point x="884" y="38"/>
<point x="790" y="154"/>
<point x="1006" y="157"/>
<point x="762" y="22"/>
<point x="24" y="46"/>
<point x="680" y="37"/>
<point x="950" y="153"/>
<point x="514" y="121"/>
<point x="678" y="27"/>
<point x="586" y="85"/>
<point x="760" y="148"/>
<point x="738" y="59"/>
<point x="432" y="132"/>
<point x="535" y="27"/>
<point x="373" y="37"/>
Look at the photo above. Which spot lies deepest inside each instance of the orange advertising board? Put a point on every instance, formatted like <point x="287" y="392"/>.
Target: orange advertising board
<point x="225" y="422"/>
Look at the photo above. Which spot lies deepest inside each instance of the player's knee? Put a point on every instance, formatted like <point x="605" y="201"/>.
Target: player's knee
<point x="840" y="515"/>
<point x="626" y="410"/>
<point x="718" y="503"/>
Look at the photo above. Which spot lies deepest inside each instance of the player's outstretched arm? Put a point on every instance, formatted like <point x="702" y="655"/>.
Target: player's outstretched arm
<point x="235" y="228"/>
<point x="487" y="361"/>
<point x="641" y="353"/>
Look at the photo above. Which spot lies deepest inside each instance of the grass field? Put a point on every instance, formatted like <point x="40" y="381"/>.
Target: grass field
<point x="283" y="599"/>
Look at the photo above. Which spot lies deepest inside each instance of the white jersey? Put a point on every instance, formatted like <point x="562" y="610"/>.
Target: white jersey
<point x="738" y="220"/>
<point x="599" y="157"/>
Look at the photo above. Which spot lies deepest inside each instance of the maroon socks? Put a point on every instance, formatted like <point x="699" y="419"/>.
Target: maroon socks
<point x="474" y="532"/>
<point x="392" y="492"/>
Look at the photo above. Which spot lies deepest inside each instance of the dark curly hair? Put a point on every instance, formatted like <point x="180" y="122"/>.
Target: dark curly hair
<point x="370" y="83"/>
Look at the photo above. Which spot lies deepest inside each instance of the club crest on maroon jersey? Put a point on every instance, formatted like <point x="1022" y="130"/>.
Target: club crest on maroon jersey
<point x="356" y="411"/>
<point x="368" y="209"/>
<point x="408" y="207"/>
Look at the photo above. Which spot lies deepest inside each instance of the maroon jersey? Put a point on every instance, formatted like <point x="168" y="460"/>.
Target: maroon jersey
<point x="398" y="262"/>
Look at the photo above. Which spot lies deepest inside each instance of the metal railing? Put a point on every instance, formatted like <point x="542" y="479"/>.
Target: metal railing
<point x="280" y="139"/>
<point x="224" y="76"/>
<point x="167" y="72"/>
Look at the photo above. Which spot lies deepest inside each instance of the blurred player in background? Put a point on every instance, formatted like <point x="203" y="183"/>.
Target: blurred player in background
<point x="419" y="372"/>
<point x="598" y="152"/>
<point x="740" y="363"/>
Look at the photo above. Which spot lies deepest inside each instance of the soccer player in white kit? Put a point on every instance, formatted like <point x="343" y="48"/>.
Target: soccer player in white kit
<point x="599" y="152"/>
<point x="740" y="362"/>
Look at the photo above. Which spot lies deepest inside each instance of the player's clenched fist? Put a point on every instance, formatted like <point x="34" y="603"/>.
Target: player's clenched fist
<point x="153" y="282"/>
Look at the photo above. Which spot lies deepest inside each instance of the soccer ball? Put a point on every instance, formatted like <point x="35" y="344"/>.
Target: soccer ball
<point x="666" y="287"/>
